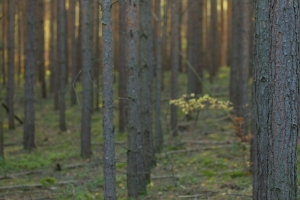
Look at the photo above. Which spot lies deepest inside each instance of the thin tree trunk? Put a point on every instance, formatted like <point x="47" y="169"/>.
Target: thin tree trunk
<point x="135" y="163"/>
<point x="276" y="62"/>
<point x="11" y="64"/>
<point x="108" y="118"/>
<point x="29" y="120"/>
<point x="175" y="47"/>
<point x="61" y="55"/>
<point x="122" y="70"/>
<point x="214" y="40"/>
<point x="4" y="40"/>
<point x="159" y="140"/>
<point x="41" y="48"/>
<point x="52" y="43"/>
<point x="86" y="151"/>
<point x="97" y="55"/>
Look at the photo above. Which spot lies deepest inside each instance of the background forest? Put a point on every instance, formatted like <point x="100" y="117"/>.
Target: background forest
<point x="135" y="99"/>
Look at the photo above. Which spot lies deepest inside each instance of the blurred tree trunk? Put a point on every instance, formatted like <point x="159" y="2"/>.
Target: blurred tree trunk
<point x="122" y="70"/>
<point x="158" y="65"/>
<point x="214" y="40"/>
<point x="195" y="55"/>
<point x="61" y="55"/>
<point x="1" y="75"/>
<point x="41" y="48"/>
<point x="57" y="69"/>
<point x="108" y="118"/>
<point x="52" y="50"/>
<point x="21" y="40"/>
<point x="4" y="40"/>
<point x="165" y="41"/>
<point x="135" y="162"/>
<point x="175" y="47"/>
<point x="73" y="48"/>
<point x="29" y="119"/>
<point x="97" y="55"/>
<point x="86" y="31"/>
<point x="11" y="63"/>
<point x="276" y="63"/>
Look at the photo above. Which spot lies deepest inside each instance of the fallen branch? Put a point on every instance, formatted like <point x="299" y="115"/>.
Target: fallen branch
<point x="29" y="186"/>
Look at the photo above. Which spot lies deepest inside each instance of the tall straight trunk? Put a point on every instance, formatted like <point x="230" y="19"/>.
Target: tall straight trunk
<point x="4" y="40"/>
<point x="164" y="41"/>
<point x="52" y="50"/>
<point x="214" y="40"/>
<point x="97" y="55"/>
<point x="122" y="70"/>
<point x="195" y="56"/>
<point x="11" y="64"/>
<point x="86" y="151"/>
<point x="135" y="163"/>
<point x="1" y="111"/>
<point x="108" y="102"/>
<point x="276" y="62"/>
<point x="243" y="66"/>
<point x="158" y="65"/>
<point x="61" y="55"/>
<point x="72" y="10"/>
<point x="41" y="48"/>
<point x="146" y="78"/>
<point x="29" y="126"/>
<point x="20" y="42"/>
<point x="57" y="68"/>
<point x="175" y="47"/>
<point x="235" y="48"/>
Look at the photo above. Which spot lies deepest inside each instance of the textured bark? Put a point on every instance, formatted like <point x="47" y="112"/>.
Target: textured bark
<point x="276" y="62"/>
<point x="11" y="64"/>
<point x="158" y="129"/>
<point x="86" y="151"/>
<point x="108" y="103"/>
<point x="97" y="54"/>
<point x="29" y="126"/>
<point x="41" y="48"/>
<point x="165" y="54"/>
<point x="61" y="56"/>
<point x="146" y="79"/>
<point x="135" y="163"/>
<point x="194" y="50"/>
<point x="122" y="70"/>
<point x="175" y="46"/>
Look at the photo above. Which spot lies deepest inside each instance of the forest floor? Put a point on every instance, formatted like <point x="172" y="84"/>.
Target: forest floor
<point x="206" y="160"/>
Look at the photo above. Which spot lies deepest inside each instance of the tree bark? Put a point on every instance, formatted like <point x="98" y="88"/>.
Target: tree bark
<point x="11" y="64"/>
<point x="29" y="119"/>
<point x="108" y="103"/>
<point x="61" y="55"/>
<point x="122" y="70"/>
<point x="175" y="46"/>
<point x="72" y="10"/>
<point x="86" y="114"/>
<point x="135" y="162"/>
<point x="276" y="62"/>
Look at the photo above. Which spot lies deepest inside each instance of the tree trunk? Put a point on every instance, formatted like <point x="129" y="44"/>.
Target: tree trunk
<point x="4" y="40"/>
<point x="11" y="64"/>
<point x="158" y="129"/>
<point x="175" y="46"/>
<point x="122" y="70"/>
<point x="40" y="48"/>
<point x="276" y="62"/>
<point x="29" y="119"/>
<point x="135" y="162"/>
<point x="214" y="40"/>
<point x="61" y="55"/>
<point x="52" y="45"/>
<point x="108" y="118"/>
<point x="86" y="151"/>
<point x="73" y="30"/>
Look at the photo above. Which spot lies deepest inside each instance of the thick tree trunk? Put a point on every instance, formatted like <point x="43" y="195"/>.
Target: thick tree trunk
<point x="86" y="151"/>
<point x="175" y="46"/>
<point x="122" y="70"/>
<point x="276" y="62"/>
<point x="29" y="126"/>
<point x="108" y="118"/>
<point x="11" y="64"/>
<point x="135" y="162"/>
<point x="61" y="55"/>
